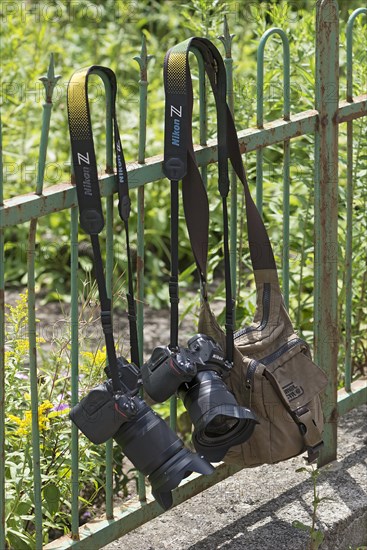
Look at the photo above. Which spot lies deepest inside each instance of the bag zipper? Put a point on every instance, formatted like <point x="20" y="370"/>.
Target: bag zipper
<point x="265" y="317"/>
<point x="279" y="352"/>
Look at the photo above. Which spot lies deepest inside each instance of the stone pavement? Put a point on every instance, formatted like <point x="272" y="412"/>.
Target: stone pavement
<point x="255" y="508"/>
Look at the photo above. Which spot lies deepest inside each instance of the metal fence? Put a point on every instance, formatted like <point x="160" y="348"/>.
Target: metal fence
<point x="323" y="122"/>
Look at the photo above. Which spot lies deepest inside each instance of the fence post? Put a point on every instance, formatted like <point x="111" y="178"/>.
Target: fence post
<point x="143" y="61"/>
<point x="2" y="363"/>
<point x="326" y="213"/>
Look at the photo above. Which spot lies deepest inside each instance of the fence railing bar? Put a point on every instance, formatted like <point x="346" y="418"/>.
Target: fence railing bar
<point x="2" y="361"/>
<point x="348" y="400"/>
<point x="74" y="337"/>
<point x="32" y="338"/>
<point x="143" y="60"/>
<point x="349" y="46"/>
<point x="326" y="215"/>
<point x="55" y="198"/>
<point x="349" y="200"/>
<point x="352" y="111"/>
<point x="131" y="515"/>
<point x="62" y="196"/>
<point x="286" y="157"/>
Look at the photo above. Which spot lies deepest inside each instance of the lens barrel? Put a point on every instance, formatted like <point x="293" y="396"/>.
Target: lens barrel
<point x="219" y="422"/>
<point x="157" y="452"/>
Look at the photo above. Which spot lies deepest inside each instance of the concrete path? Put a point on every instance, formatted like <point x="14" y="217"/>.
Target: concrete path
<point x="254" y="509"/>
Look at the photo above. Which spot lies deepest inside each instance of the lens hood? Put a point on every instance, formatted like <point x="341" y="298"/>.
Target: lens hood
<point x="213" y="443"/>
<point x="219" y="422"/>
<point x="173" y="471"/>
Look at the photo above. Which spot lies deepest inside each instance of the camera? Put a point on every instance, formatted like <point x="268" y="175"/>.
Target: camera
<point x="144" y="437"/>
<point x="197" y="374"/>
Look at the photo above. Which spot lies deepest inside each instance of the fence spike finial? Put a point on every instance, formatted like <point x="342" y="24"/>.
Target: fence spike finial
<point x="226" y="38"/>
<point x="50" y="80"/>
<point x="143" y="59"/>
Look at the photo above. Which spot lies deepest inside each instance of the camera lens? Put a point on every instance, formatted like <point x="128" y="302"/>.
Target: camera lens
<point x="219" y="422"/>
<point x="157" y="452"/>
<point x="220" y="425"/>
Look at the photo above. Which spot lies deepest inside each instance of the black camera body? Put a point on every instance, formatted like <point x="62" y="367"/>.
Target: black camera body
<point x="102" y="411"/>
<point x="166" y="370"/>
<point x="219" y="422"/>
<point x="144" y="437"/>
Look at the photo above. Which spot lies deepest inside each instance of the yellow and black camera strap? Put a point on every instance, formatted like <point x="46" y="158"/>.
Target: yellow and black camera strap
<point x="89" y="200"/>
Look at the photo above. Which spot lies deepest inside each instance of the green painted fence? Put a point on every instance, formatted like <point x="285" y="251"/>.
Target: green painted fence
<point x="323" y="121"/>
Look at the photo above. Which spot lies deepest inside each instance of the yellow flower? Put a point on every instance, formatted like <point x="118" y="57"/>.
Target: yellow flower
<point x="97" y="359"/>
<point x="25" y="424"/>
<point x="53" y="414"/>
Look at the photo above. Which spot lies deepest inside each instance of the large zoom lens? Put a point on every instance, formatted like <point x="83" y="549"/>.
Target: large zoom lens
<point x="146" y="439"/>
<point x="197" y="373"/>
<point x="219" y="422"/>
<point x="157" y="452"/>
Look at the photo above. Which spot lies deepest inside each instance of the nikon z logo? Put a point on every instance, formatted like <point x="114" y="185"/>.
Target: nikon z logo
<point x="176" y="133"/>
<point x="87" y="185"/>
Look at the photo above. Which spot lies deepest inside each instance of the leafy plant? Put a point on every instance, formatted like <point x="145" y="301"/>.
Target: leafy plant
<point x="316" y="535"/>
<point x="54" y="427"/>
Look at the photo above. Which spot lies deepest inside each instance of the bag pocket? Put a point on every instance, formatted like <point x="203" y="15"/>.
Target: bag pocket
<point x="277" y="388"/>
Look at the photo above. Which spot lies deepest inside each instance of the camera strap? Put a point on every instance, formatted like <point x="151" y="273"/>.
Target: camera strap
<point x="89" y="200"/>
<point x="180" y="163"/>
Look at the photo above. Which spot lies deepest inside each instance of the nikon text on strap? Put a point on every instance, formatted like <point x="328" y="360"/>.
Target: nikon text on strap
<point x="89" y="199"/>
<point x="295" y="390"/>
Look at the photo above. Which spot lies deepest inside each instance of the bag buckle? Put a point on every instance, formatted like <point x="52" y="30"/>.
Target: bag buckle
<point x="310" y="432"/>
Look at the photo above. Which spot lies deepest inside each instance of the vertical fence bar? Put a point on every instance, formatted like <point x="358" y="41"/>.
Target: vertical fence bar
<point x="226" y="40"/>
<point x="143" y="60"/>
<point x="109" y="271"/>
<point x="49" y="83"/>
<point x="74" y="313"/>
<point x="74" y="342"/>
<point x="2" y="358"/>
<point x="259" y="157"/>
<point x="349" y="230"/>
<point x="326" y="213"/>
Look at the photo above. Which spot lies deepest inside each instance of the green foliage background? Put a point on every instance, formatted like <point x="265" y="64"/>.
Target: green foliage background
<point x="109" y="33"/>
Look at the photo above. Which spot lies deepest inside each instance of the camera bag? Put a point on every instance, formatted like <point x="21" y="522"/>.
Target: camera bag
<point x="273" y="372"/>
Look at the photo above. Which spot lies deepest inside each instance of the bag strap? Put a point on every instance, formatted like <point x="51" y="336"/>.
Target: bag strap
<point x="179" y="155"/>
<point x="89" y="200"/>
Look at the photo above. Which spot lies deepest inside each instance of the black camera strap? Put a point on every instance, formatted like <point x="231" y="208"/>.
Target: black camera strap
<point x="180" y="163"/>
<point x="89" y="200"/>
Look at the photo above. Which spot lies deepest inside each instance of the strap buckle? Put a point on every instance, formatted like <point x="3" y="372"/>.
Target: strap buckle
<point x="106" y="320"/>
<point x="173" y="292"/>
<point x="310" y="432"/>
